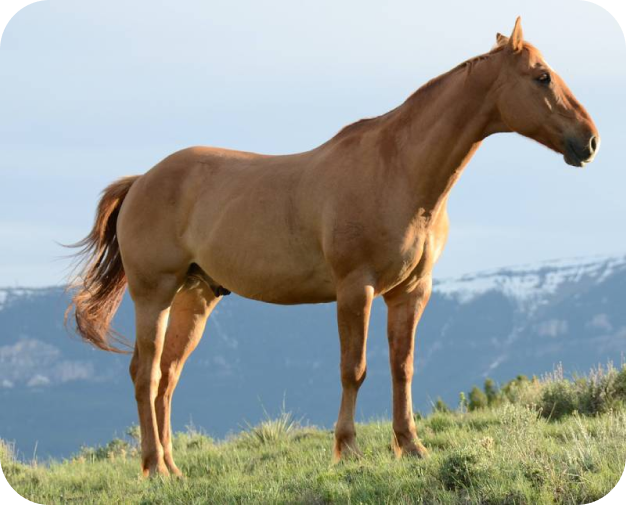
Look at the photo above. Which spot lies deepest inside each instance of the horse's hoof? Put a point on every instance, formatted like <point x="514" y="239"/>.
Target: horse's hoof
<point x="413" y="449"/>
<point x="157" y="470"/>
<point x="175" y="472"/>
<point x="345" y="450"/>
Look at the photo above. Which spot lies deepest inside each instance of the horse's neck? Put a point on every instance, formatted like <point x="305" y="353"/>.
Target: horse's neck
<point x="437" y="131"/>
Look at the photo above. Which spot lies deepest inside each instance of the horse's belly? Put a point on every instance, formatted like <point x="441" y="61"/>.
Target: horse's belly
<point x="276" y="285"/>
<point x="288" y="289"/>
<point x="271" y="271"/>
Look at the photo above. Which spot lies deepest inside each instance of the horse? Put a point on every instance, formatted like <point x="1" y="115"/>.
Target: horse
<point x="360" y="216"/>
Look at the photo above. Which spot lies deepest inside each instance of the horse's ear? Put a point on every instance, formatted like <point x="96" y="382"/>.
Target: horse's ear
<point x="501" y="39"/>
<point x="516" y="40"/>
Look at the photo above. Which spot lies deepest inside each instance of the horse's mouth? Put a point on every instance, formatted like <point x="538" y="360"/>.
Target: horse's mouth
<point x="573" y="160"/>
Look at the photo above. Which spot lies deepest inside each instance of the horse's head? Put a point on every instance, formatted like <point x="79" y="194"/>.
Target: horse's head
<point x="534" y="101"/>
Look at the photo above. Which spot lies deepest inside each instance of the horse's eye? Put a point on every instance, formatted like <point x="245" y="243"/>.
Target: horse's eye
<point x="544" y="78"/>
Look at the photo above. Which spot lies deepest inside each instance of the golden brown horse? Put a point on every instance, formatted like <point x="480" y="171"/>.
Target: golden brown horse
<point x="360" y="216"/>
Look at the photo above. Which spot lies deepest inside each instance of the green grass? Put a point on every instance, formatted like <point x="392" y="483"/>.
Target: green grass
<point x="508" y="454"/>
<point x="548" y="440"/>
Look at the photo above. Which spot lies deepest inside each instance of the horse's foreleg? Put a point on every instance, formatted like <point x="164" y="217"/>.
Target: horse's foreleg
<point x="151" y="311"/>
<point x="354" y="301"/>
<point x="404" y="310"/>
<point x="188" y="315"/>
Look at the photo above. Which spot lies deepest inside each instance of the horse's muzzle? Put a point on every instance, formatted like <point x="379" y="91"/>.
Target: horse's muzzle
<point x="579" y="154"/>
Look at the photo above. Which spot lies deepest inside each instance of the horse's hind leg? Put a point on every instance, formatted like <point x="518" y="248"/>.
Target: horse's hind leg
<point x="191" y="308"/>
<point x="152" y="305"/>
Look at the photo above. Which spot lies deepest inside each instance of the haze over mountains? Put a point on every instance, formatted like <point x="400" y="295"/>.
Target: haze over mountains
<point x="57" y="393"/>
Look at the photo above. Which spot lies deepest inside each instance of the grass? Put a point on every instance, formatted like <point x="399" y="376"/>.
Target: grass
<point x="504" y="455"/>
<point x="508" y="453"/>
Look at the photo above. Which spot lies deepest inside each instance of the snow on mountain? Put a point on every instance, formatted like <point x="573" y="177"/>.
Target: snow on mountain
<point x="9" y="295"/>
<point x="529" y="285"/>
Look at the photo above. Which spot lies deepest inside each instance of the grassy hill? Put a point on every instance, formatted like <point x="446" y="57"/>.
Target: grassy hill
<point x="532" y="441"/>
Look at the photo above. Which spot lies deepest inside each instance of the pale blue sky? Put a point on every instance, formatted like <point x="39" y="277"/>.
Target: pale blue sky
<point x="92" y="90"/>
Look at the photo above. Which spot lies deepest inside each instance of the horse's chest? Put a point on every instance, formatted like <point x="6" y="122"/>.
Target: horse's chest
<point x="412" y="258"/>
<point x="401" y="260"/>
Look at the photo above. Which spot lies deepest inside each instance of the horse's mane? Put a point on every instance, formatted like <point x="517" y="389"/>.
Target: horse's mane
<point x="434" y="83"/>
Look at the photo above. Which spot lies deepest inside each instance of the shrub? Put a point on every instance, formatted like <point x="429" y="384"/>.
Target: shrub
<point x="441" y="406"/>
<point x="491" y="392"/>
<point x="134" y="433"/>
<point x="602" y="390"/>
<point x="599" y="392"/>
<point x="115" y="449"/>
<point x="441" y="421"/>
<point x="620" y="384"/>
<point x="7" y="454"/>
<point x="461" y="469"/>
<point x="477" y="399"/>
<point x="462" y="402"/>
<point x="192" y="438"/>
<point x="523" y="391"/>
<point x="558" y="399"/>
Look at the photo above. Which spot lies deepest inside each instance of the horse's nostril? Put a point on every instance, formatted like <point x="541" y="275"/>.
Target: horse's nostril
<point x="593" y="144"/>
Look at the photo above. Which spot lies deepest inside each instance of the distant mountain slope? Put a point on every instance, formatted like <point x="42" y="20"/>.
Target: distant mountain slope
<point x="59" y="393"/>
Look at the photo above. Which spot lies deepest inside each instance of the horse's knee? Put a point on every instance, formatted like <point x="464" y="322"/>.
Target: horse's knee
<point x="353" y="376"/>
<point x="146" y="386"/>
<point x="145" y="393"/>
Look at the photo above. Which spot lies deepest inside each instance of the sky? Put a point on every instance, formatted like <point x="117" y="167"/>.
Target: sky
<point x="93" y="90"/>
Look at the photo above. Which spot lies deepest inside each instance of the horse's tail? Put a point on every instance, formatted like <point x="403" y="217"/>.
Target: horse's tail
<point x="98" y="288"/>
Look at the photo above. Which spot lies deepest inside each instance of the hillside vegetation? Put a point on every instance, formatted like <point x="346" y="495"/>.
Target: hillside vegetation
<point x="532" y="441"/>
